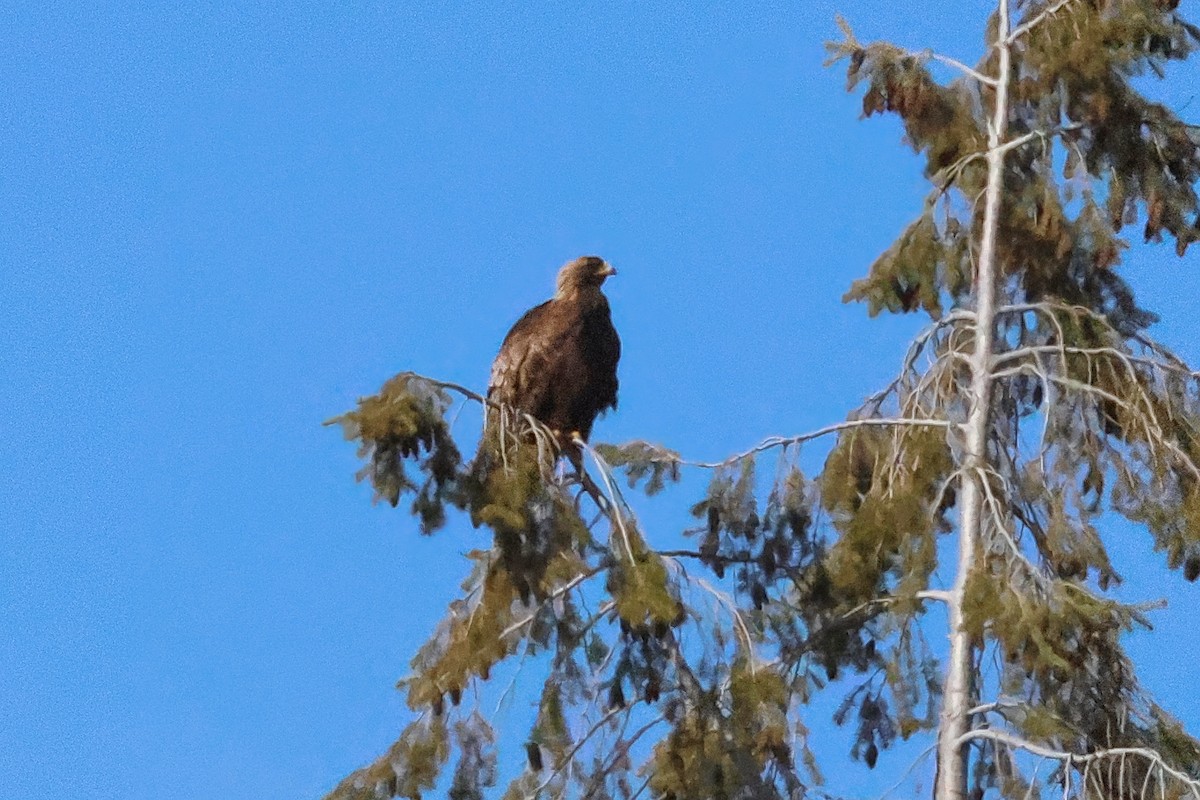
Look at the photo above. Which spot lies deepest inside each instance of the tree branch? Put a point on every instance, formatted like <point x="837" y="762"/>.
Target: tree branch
<point x="1151" y="755"/>
<point x="1026" y="27"/>
<point x="960" y="66"/>
<point x="785" y="441"/>
<point x="553" y="595"/>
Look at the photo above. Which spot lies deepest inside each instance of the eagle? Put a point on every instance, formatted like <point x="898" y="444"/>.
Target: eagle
<point x="558" y="363"/>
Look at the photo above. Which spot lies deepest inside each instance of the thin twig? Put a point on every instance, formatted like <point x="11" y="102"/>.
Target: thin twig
<point x="960" y="66"/>
<point x="569" y="757"/>
<point x="1026" y="27"/>
<point x="558" y="592"/>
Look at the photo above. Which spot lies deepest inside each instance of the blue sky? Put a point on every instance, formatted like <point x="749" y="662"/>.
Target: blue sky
<point x="222" y="224"/>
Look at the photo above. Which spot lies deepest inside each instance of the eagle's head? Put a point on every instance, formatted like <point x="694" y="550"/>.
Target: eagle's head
<point x="583" y="274"/>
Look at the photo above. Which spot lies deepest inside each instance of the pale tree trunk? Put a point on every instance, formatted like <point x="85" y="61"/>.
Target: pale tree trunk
<point x="956" y="698"/>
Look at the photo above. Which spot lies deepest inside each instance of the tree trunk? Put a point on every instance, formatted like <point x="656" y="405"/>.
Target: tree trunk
<point x="951" y="783"/>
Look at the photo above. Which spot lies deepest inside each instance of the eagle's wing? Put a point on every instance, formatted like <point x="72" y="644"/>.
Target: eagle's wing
<point x="606" y="346"/>
<point x="518" y="372"/>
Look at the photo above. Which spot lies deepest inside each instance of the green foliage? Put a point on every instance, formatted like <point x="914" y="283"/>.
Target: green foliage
<point x="467" y="643"/>
<point x="533" y="521"/>
<point x="914" y="269"/>
<point x="884" y="492"/>
<point x="913" y="678"/>
<point x="938" y="121"/>
<point x="765" y="549"/>
<point x="551" y="732"/>
<point x="637" y="581"/>
<point x="1049" y="638"/>
<point x="730" y="513"/>
<point x="1143" y="151"/>
<point x="723" y="751"/>
<point x="409" y="768"/>
<point x="406" y="419"/>
<point x="1137" y="449"/>
<point x="643" y="461"/>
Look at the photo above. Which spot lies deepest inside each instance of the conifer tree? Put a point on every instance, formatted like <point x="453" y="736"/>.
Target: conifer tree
<point x="1035" y="406"/>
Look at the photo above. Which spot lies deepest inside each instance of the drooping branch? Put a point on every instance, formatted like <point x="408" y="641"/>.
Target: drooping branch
<point x="1190" y="784"/>
<point x="1026" y="27"/>
<point x="786" y="441"/>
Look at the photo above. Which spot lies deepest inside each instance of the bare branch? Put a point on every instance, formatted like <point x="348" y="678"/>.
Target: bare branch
<point x="1152" y="429"/>
<point x="1026" y="27"/>
<point x="1033" y="350"/>
<point x="1010" y="740"/>
<point x="960" y="66"/>
<point x="617" y="515"/>
<point x="726" y="601"/>
<point x="553" y="595"/>
<point x="620" y="750"/>
<point x="1013" y="144"/>
<point x="569" y="757"/>
<point x="784" y="441"/>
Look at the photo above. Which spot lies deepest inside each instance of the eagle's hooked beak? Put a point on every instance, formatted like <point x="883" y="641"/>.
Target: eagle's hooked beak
<point x="608" y="271"/>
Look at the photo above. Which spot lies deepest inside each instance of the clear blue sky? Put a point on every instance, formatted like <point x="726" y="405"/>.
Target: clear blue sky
<point x="221" y="224"/>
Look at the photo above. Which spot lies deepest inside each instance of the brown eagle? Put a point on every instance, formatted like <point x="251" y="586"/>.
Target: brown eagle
<point x="559" y="362"/>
